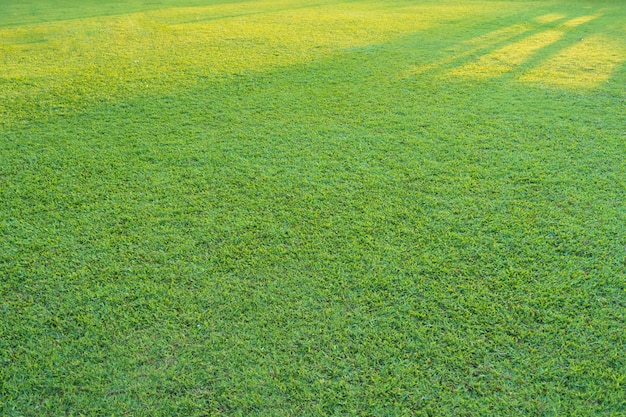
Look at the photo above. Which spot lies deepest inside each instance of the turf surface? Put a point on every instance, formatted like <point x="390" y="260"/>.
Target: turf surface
<point x="312" y="208"/>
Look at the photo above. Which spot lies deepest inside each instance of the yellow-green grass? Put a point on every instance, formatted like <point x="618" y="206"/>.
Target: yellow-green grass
<point x="312" y="208"/>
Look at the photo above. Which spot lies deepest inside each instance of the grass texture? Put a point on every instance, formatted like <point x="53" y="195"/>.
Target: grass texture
<point x="375" y="208"/>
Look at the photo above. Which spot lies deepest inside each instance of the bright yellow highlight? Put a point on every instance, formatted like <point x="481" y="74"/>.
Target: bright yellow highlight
<point x="155" y="51"/>
<point x="507" y="58"/>
<point x="583" y="65"/>
<point x="476" y="45"/>
<point x="586" y="64"/>
<point x="499" y="35"/>
<point x="580" y="21"/>
<point x="549" y="18"/>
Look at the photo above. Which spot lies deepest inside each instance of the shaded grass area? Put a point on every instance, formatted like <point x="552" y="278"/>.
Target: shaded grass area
<point x="366" y="231"/>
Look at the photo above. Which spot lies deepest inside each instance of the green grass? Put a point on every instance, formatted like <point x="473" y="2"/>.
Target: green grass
<point x="313" y="208"/>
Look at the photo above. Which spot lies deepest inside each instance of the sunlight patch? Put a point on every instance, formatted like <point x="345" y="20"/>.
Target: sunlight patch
<point x="586" y="64"/>
<point x="580" y="21"/>
<point x="549" y="18"/>
<point x="499" y="35"/>
<point x="153" y="52"/>
<point x="476" y="45"/>
<point x="507" y="58"/>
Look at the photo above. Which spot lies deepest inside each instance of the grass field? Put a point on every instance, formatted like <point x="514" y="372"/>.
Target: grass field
<point x="275" y="207"/>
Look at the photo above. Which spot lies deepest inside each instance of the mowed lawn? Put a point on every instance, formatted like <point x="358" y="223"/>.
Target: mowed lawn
<point x="274" y="207"/>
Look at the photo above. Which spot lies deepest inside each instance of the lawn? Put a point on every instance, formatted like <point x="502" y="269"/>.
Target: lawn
<point x="288" y="207"/>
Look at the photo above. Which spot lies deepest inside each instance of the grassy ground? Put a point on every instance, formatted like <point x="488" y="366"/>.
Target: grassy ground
<point x="312" y="208"/>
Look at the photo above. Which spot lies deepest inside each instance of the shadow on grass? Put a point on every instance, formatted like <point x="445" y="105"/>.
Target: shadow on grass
<point x="540" y="46"/>
<point x="553" y="49"/>
<point x="566" y="55"/>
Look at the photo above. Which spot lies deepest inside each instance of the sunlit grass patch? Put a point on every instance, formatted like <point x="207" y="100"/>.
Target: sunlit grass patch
<point x="507" y="58"/>
<point x="499" y="35"/>
<point x="469" y="48"/>
<point x="511" y="56"/>
<point x="580" y="21"/>
<point x="586" y="64"/>
<point x="549" y="18"/>
<point x="156" y="51"/>
<point x="60" y="64"/>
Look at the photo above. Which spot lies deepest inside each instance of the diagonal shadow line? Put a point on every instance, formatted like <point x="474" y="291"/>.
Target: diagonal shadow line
<point x="617" y="30"/>
<point x="549" y="63"/>
<point x="569" y="38"/>
<point x="523" y="18"/>
<point x="560" y="28"/>
<point x="469" y="54"/>
<point x="572" y="35"/>
<point x="522" y="31"/>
